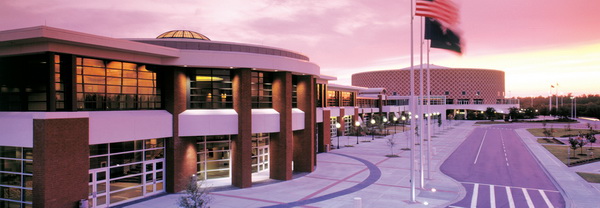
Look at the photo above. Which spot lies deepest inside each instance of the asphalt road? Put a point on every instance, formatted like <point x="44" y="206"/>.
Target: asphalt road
<point x="497" y="170"/>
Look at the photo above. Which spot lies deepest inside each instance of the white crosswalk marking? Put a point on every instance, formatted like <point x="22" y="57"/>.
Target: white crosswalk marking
<point x="511" y="202"/>
<point x="492" y="197"/>
<point x="546" y="199"/>
<point x="527" y="198"/>
<point x="474" y="198"/>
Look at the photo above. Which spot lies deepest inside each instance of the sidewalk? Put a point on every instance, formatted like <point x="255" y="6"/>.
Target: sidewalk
<point x="576" y="191"/>
<point x="344" y="174"/>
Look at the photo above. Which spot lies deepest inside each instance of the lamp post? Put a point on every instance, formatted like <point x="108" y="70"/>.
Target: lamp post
<point x="572" y="115"/>
<point x="385" y="120"/>
<point x="403" y="123"/>
<point x="395" y="119"/>
<point x="373" y="128"/>
<point x="337" y="127"/>
<point x="357" y="124"/>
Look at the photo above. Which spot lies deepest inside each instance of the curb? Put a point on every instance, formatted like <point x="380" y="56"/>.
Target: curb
<point x="462" y="193"/>
<point x="570" y="191"/>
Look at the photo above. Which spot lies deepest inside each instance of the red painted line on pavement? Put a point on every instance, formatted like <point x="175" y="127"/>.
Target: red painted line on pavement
<point x="254" y="199"/>
<point x="338" y="182"/>
<point x="356" y="164"/>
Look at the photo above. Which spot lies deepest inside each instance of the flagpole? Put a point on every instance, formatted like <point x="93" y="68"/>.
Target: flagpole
<point x="429" y="115"/>
<point x="412" y="107"/>
<point x="421" y="115"/>
<point x="550" y="101"/>
<point x="556" y="98"/>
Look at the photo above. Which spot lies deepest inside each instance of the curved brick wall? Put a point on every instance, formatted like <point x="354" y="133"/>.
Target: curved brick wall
<point x="489" y="83"/>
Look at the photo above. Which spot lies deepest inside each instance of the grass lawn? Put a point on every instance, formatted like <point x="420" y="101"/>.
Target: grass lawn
<point x="560" y="152"/>
<point x="547" y="141"/>
<point x="558" y="132"/>
<point x="491" y="122"/>
<point x="590" y="177"/>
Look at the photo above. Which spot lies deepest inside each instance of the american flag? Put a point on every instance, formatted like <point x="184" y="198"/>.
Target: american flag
<point x="444" y="11"/>
<point x="441" y="25"/>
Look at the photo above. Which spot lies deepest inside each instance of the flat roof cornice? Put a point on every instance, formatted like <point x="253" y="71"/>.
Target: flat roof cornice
<point x="37" y="34"/>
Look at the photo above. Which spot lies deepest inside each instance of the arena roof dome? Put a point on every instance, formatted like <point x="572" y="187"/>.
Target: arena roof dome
<point x="182" y="34"/>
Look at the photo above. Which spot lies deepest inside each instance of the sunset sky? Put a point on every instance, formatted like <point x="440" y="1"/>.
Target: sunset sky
<point x="536" y="42"/>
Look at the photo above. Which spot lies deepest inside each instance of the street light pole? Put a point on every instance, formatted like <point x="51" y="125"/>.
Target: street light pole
<point x="395" y="119"/>
<point x="337" y="127"/>
<point x="403" y="123"/>
<point x="572" y="115"/>
<point x="373" y="129"/>
<point x="384" y="122"/>
<point x="357" y="124"/>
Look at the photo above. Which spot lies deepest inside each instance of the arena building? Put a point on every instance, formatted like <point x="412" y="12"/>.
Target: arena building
<point x="461" y="89"/>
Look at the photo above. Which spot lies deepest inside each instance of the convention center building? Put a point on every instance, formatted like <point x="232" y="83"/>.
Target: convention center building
<point x="112" y="120"/>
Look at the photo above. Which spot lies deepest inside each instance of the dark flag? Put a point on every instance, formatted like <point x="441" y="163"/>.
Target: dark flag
<point x="441" y="23"/>
<point x="442" y="37"/>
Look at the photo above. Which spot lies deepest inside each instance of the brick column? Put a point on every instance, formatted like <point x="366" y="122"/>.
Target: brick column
<point x="60" y="162"/>
<point x="280" y="146"/>
<point x="324" y="133"/>
<point x="355" y="116"/>
<point x="340" y="119"/>
<point x="304" y="140"/>
<point x="241" y="145"/>
<point x="180" y="153"/>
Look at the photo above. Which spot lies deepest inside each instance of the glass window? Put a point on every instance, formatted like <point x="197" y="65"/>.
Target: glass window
<point x="10" y="165"/>
<point x="124" y="183"/>
<point x="154" y="143"/>
<point x="10" y="152"/>
<point x="294" y="91"/>
<point x="261" y="90"/>
<point x="10" y="193"/>
<point x="213" y="157"/>
<point x="211" y="89"/>
<point x="10" y="179"/>
<point x="125" y="170"/>
<point x="333" y="98"/>
<point x="17" y="173"/>
<point x="126" y="158"/>
<point x="347" y="98"/>
<point x="125" y="146"/>
<point x="155" y="154"/>
<point x="98" y="162"/>
<point x="320" y="90"/>
<point x="116" y="86"/>
<point x="23" y="82"/>
<point x="98" y="149"/>
<point x="126" y="195"/>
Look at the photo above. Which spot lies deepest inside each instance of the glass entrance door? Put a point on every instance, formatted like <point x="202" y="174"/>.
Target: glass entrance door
<point x="98" y="187"/>
<point x="153" y="177"/>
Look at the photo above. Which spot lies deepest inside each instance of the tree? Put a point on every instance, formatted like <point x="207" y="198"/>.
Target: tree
<point x="391" y="142"/>
<point x="581" y="142"/>
<point x="194" y="195"/>
<point x="574" y="143"/>
<point x="514" y="113"/>
<point x="591" y="137"/>
<point x="530" y="112"/>
<point x="563" y="113"/>
<point x="490" y="113"/>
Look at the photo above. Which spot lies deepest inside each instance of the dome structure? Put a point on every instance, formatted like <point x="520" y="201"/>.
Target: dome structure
<point x="182" y="34"/>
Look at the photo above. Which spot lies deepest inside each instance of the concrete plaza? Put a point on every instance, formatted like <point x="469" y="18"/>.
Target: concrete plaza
<point x="362" y="176"/>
